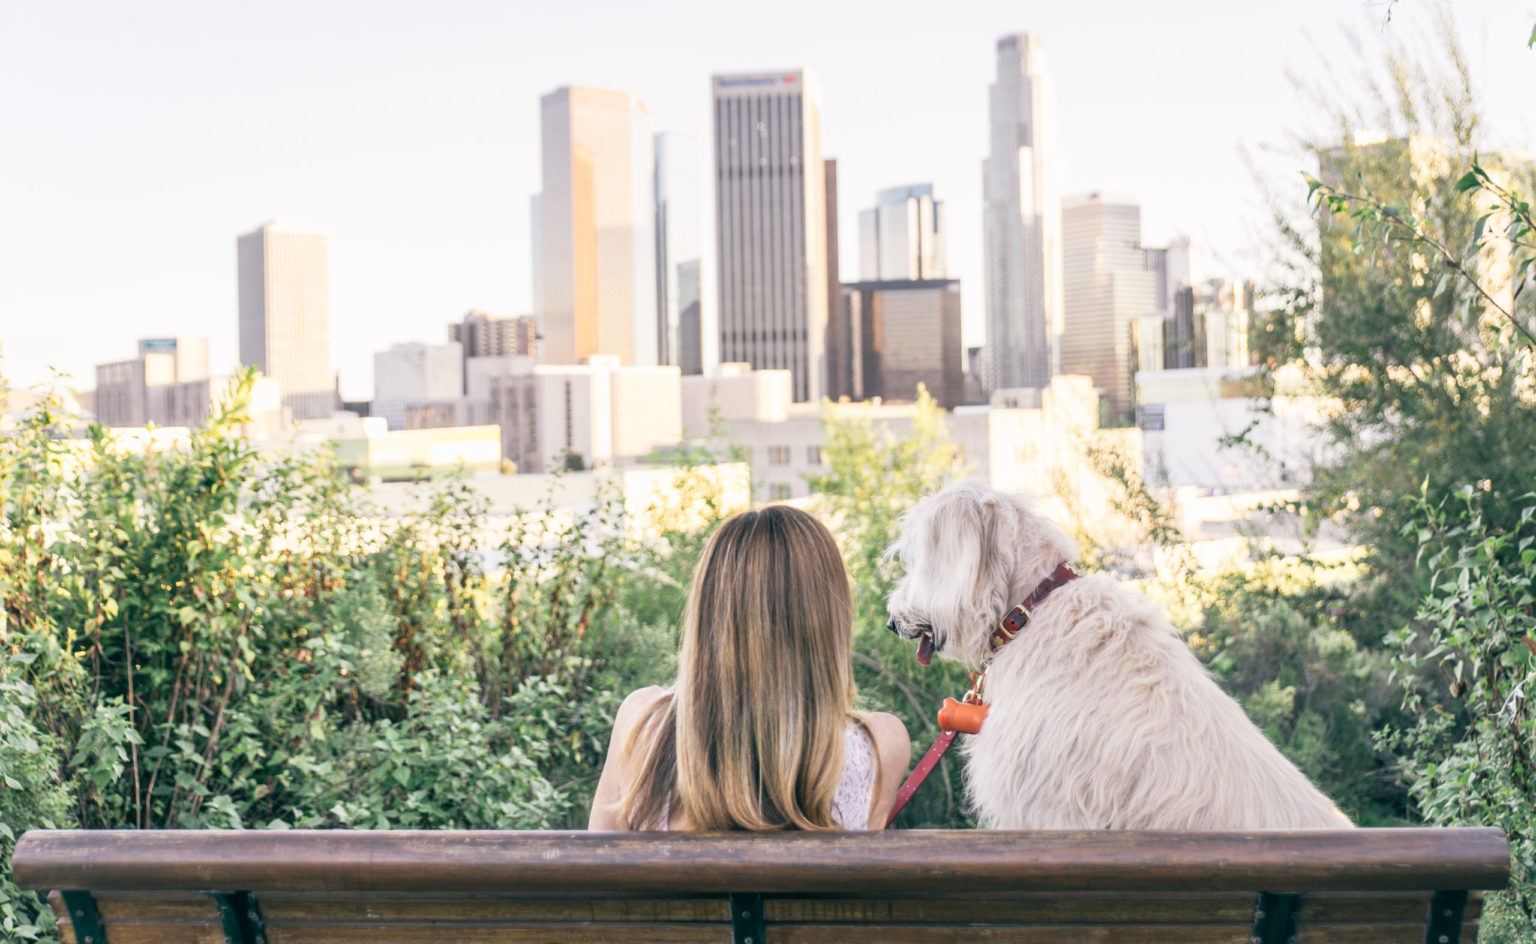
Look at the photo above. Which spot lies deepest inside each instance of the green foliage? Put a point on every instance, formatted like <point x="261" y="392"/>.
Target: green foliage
<point x="1470" y="744"/>
<point x="1273" y="637"/>
<point x="1410" y="306"/>
<point x="213" y="636"/>
<point x="31" y="796"/>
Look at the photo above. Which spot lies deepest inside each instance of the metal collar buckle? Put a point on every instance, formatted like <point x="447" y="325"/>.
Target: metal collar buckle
<point x="1012" y="624"/>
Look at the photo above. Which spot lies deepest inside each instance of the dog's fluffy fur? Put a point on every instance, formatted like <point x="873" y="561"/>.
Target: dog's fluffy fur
<point x="1100" y="717"/>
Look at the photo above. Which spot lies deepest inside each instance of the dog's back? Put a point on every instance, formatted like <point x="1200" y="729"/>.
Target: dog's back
<point x="1101" y="718"/>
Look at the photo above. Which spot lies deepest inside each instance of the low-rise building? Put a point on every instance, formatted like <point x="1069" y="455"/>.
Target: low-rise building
<point x="407" y="455"/>
<point x="168" y="384"/>
<point x="415" y="373"/>
<point x="586" y="415"/>
<point x="1231" y="428"/>
<point x="733" y="392"/>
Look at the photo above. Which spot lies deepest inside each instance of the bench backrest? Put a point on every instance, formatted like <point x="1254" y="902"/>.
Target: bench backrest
<point x="272" y="887"/>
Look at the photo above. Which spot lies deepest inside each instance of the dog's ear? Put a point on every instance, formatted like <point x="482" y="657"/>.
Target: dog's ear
<point x="998" y="528"/>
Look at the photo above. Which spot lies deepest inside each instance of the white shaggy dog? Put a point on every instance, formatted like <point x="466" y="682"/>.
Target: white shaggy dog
<point x="1099" y="716"/>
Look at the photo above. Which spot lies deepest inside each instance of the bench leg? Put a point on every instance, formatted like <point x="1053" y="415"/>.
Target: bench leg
<point x="84" y="919"/>
<point x="1275" y="918"/>
<point x="240" y="917"/>
<point x="1445" y="913"/>
<point x="747" y="919"/>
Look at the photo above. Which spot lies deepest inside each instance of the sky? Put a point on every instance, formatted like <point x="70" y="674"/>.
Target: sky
<point x="138" y="140"/>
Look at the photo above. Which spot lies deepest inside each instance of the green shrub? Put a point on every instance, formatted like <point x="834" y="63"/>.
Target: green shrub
<point x="1467" y="667"/>
<point x="213" y="636"/>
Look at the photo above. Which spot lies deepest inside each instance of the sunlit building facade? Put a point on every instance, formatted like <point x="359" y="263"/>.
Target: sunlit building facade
<point x="1106" y="288"/>
<point x="595" y="240"/>
<point x="902" y="236"/>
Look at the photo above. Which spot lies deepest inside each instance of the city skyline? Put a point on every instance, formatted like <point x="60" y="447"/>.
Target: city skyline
<point x="139" y="172"/>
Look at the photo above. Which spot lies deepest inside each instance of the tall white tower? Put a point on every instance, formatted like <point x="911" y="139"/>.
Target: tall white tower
<point x="1021" y="223"/>
<point x="771" y="225"/>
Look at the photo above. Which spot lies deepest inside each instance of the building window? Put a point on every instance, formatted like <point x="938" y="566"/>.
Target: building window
<point x="813" y="455"/>
<point x="568" y="439"/>
<point x="778" y="455"/>
<point x="778" y="491"/>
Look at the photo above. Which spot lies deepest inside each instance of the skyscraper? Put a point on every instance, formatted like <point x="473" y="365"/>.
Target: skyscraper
<point x="1021" y="223"/>
<point x="902" y="236"/>
<point x="595" y="289"/>
<point x="285" y="314"/>
<point x="839" y="352"/>
<point x="771" y="226"/>
<point x="1107" y="286"/>
<point x="678" y="243"/>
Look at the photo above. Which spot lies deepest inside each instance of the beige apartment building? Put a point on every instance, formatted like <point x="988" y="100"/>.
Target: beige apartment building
<point x="285" y="314"/>
<point x="168" y="385"/>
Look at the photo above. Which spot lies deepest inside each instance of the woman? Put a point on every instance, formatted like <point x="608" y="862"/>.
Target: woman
<point x="759" y="731"/>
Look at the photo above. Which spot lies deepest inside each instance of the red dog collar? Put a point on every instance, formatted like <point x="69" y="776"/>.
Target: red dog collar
<point x="1019" y="616"/>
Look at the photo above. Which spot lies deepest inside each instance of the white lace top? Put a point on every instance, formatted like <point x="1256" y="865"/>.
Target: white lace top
<point x="855" y="791"/>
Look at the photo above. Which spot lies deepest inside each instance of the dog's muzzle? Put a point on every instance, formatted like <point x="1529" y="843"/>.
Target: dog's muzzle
<point x="922" y="632"/>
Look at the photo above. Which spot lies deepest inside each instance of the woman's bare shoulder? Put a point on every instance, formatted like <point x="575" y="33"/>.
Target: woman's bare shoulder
<point x="636" y="703"/>
<point x="891" y="738"/>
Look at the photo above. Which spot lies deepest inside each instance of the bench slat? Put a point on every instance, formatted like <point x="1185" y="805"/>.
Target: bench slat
<point x="1361" y="859"/>
<point x="1077" y="934"/>
<point x="190" y="918"/>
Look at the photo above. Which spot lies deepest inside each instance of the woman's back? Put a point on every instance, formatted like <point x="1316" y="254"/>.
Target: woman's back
<point x="752" y="735"/>
<point x="876" y="750"/>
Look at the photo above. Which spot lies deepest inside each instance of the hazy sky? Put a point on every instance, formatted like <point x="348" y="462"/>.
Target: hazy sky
<point x="137" y="140"/>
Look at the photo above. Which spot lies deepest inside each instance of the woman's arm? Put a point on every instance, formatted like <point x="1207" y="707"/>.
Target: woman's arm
<point x="616" y="767"/>
<point x="893" y="750"/>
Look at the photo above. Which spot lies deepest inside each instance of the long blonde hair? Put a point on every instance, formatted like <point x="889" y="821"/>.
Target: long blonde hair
<point x="751" y="736"/>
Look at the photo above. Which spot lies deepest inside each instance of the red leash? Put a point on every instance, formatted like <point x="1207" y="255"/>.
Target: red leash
<point x="921" y="772"/>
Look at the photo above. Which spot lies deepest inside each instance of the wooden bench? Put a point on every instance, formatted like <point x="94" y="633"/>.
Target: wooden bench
<point x="1367" y="885"/>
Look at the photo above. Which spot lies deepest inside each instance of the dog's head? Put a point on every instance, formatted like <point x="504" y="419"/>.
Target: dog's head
<point x="968" y="554"/>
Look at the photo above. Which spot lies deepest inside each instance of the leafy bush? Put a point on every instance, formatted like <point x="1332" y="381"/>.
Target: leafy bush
<point x="213" y="636"/>
<point x="1467" y="668"/>
<point x="1274" y="638"/>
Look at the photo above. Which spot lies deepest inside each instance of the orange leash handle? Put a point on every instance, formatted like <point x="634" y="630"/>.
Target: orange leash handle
<point x="962" y="716"/>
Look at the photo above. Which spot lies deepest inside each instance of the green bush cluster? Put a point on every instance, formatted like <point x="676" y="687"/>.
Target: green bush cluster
<point x="1273" y="635"/>
<point x="1467" y="670"/>
<point x="214" y="636"/>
